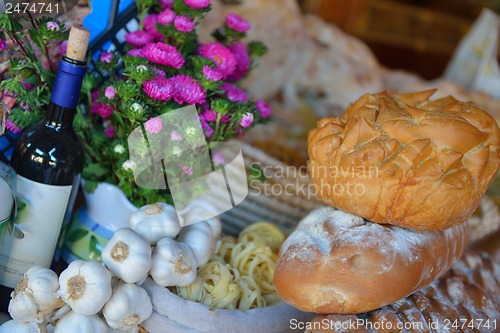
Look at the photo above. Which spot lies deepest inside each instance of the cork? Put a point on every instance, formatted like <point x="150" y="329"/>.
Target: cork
<point x="78" y="43"/>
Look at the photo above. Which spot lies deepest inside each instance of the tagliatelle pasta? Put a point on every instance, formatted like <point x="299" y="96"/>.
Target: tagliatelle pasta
<point x="240" y="274"/>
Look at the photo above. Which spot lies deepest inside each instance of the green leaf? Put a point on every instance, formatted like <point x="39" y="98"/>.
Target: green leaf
<point x="90" y="186"/>
<point x="76" y="235"/>
<point x="95" y="169"/>
<point x="257" y="49"/>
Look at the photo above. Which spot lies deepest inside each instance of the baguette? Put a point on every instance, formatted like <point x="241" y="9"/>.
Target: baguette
<point x="338" y="263"/>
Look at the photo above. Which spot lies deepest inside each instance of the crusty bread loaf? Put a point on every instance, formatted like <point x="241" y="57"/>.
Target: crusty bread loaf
<point x="339" y="263"/>
<point x="406" y="160"/>
<point x="466" y="299"/>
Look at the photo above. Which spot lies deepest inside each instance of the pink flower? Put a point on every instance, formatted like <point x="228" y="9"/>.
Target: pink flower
<point x="218" y="158"/>
<point x="159" y="88"/>
<point x="136" y="53"/>
<point x="159" y="72"/>
<point x="263" y="108"/>
<point x="184" y="24"/>
<point x="63" y="47"/>
<point x="52" y="26"/>
<point x="3" y="45"/>
<point x="9" y="101"/>
<point x="150" y="26"/>
<point x="208" y="115"/>
<point x="139" y="38"/>
<point x="110" y="132"/>
<point x="24" y="106"/>
<point x="94" y="95"/>
<point x="234" y="94"/>
<point x="207" y="129"/>
<point x="11" y="126"/>
<point x="197" y="4"/>
<point x="188" y="171"/>
<point x="223" y="58"/>
<point x="110" y="92"/>
<point x="153" y="125"/>
<point x="26" y="84"/>
<point x="166" y="17"/>
<point x="225" y="119"/>
<point x="174" y="136"/>
<point x="212" y="74"/>
<point x="237" y="23"/>
<point x="106" y="57"/>
<point x="164" y="4"/>
<point x="164" y="54"/>
<point x="246" y="120"/>
<point x="104" y="110"/>
<point x="187" y="90"/>
<point x="243" y="61"/>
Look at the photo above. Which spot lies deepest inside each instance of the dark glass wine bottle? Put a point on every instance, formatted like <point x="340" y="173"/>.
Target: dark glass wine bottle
<point x="48" y="160"/>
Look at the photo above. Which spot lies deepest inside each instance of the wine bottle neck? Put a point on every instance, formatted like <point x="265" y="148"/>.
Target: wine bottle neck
<point x="65" y="92"/>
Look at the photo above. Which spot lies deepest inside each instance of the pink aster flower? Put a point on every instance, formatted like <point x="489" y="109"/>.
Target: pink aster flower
<point x="197" y="4"/>
<point x="105" y="110"/>
<point x="9" y="101"/>
<point x="164" y="4"/>
<point x="243" y="61"/>
<point x="110" y="92"/>
<point x="187" y="170"/>
<point x="110" y="132"/>
<point x="166" y="17"/>
<point x="52" y="26"/>
<point x="218" y="158"/>
<point x="208" y="115"/>
<point x="212" y="74"/>
<point x="225" y="119"/>
<point x="223" y="58"/>
<point x="24" y="106"/>
<point x="150" y="26"/>
<point x="207" y="129"/>
<point x="11" y="126"/>
<point x="164" y="54"/>
<point x="63" y="47"/>
<point x="136" y="53"/>
<point x="159" y="88"/>
<point x="3" y="45"/>
<point x="106" y="57"/>
<point x="153" y="125"/>
<point x="237" y="23"/>
<point x="263" y="108"/>
<point x="174" y="136"/>
<point x="26" y="84"/>
<point x="184" y="24"/>
<point x="139" y="38"/>
<point x="187" y="90"/>
<point x="234" y="94"/>
<point x="246" y="120"/>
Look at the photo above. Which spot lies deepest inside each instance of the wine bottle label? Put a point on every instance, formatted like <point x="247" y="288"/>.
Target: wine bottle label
<point x="32" y="241"/>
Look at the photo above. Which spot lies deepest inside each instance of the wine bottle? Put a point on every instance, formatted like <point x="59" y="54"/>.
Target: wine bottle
<point x="48" y="160"/>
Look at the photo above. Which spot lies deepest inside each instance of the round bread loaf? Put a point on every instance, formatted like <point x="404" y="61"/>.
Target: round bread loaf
<point x="406" y="160"/>
<point x="339" y="263"/>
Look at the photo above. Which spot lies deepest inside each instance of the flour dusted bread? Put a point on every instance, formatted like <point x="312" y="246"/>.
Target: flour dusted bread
<point x="406" y="160"/>
<point x="339" y="263"/>
<point x="466" y="299"/>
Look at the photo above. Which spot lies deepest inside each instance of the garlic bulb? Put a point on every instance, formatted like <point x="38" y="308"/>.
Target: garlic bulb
<point x="156" y="221"/>
<point x="127" y="255"/>
<point x="85" y="286"/>
<point x="199" y="237"/>
<point x="35" y="295"/>
<point x="129" y="306"/>
<point x="78" y="323"/>
<point x="173" y="264"/>
<point x="14" y="326"/>
<point x="23" y="308"/>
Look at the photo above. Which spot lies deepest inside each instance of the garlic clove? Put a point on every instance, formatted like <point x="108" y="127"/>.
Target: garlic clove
<point x="200" y="239"/>
<point x="23" y="308"/>
<point x="85" y="286"/>
<point x="156" y="221"/>
<point x="173" y="264"/>
<point x="128" y="307"/>
<point x="14" y="326"/>
<point x="216" y="226"/>
<point x="74" y="322"/>
<point x="127" y="255"/>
